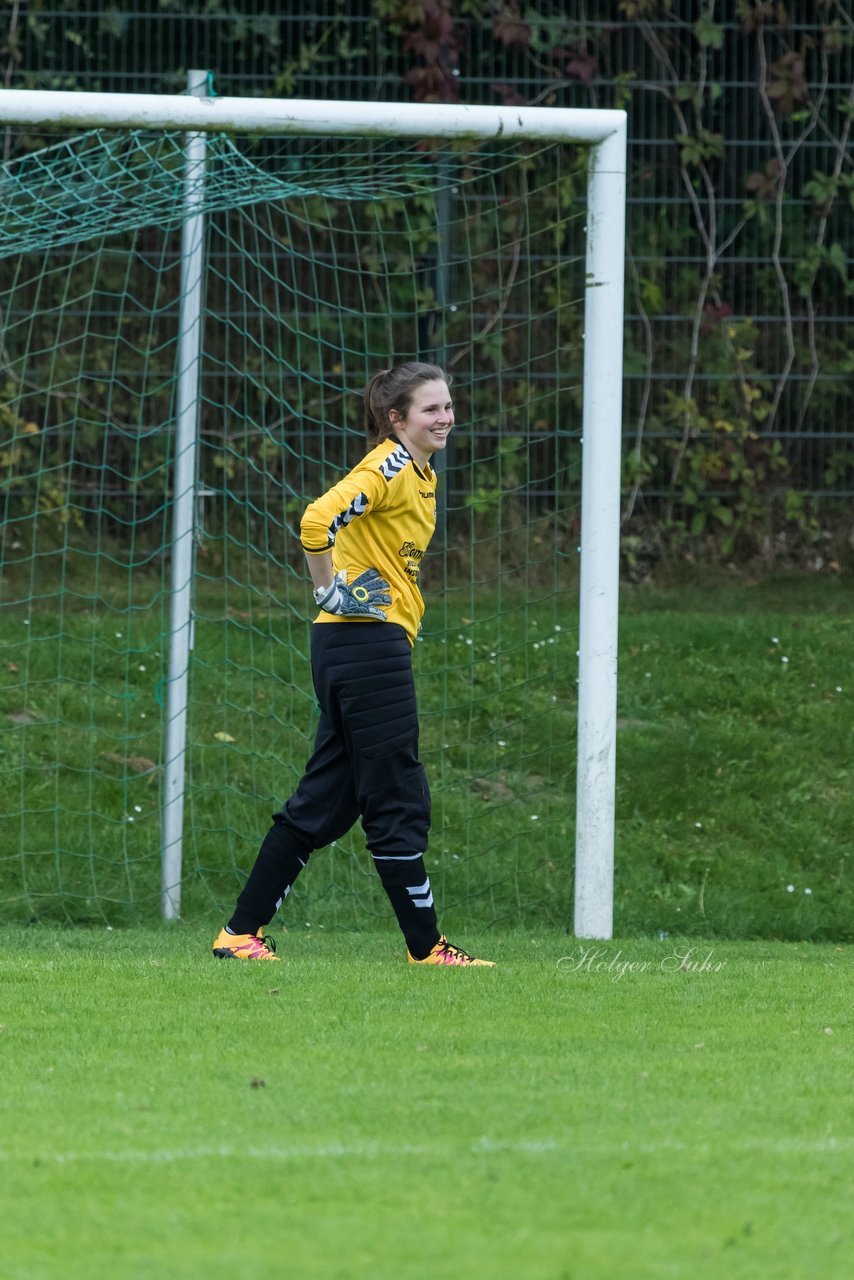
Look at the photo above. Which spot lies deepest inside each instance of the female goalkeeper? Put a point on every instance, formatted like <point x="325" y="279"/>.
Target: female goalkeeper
<point x="364" y="541"/>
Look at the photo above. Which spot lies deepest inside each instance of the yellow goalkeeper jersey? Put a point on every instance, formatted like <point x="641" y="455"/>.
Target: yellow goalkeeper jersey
<point x="382" y="515"/>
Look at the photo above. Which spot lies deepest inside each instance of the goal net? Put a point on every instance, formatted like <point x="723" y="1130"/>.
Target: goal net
<point x="319" y="260"/>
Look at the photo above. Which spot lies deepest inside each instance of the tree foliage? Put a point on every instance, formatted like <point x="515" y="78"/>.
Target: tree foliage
<point x="739" y="383"/>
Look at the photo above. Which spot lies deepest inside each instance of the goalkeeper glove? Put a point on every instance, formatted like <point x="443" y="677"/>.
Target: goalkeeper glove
<point x="358" y="600"/>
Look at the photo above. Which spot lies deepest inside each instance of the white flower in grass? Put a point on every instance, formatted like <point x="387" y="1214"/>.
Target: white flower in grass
<point x="774" y="640"/>
<point x="790" y="888"/>
<point x="558" y="628"/>
<point x="141" y="667"/>
<point x="698" y="824"/>
<point x="535" y="817"/>
<point x="501" y="742"/>
<point x="784" y="659"/>
<point x="839" y="688"/>
<point x="807" y="890"/>
<point x="137" y="808"/>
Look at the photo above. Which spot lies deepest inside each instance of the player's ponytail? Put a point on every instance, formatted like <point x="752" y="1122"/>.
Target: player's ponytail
<point x="394" y="389"/>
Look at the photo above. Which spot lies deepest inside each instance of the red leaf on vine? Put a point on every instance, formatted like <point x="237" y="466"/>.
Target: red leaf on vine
<point x="577" y="61"/>
<point x="789" y="86"/>
<point x="431" y="84"/>
<point x="713" y="314"/>
<point x="421" y="44"/>
<point x="764" y="185"/>
<point x="508" y="95"/>
<point x="434" y="43"/>
<point x="755" y="17"/>
<point x="583" y="66"/>
<point x="435" y="34"/>
<point x="510" y="28"/>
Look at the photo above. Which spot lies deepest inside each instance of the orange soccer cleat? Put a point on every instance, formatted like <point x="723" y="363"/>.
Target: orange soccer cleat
<point x="445" y="952"/>
<point x="244" y="946"/>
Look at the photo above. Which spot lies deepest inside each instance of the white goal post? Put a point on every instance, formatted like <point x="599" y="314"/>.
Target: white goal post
<point x="604" y="134"/>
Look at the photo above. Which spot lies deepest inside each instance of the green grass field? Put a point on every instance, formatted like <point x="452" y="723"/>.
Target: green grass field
<point x="632" y="1110"/>
<point x="675" y="1103"/>
<point x="735" y="803"/>
<point x="735" y="796"/>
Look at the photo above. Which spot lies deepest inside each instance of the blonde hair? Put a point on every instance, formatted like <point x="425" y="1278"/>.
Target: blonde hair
<point x="394" y="389"/>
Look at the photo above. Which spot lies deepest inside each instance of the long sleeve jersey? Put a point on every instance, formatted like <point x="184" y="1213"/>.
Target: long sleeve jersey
<point x="382" y="515"/>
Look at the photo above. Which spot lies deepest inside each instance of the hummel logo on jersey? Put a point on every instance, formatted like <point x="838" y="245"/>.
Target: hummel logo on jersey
<point x="427" y="493"/>
<point x="395" y="462"/>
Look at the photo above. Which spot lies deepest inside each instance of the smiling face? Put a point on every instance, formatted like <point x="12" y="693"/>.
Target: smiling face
<point x="428" y="421"/>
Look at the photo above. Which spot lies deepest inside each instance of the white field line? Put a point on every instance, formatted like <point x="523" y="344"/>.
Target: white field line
<point x="481" y="1147"/>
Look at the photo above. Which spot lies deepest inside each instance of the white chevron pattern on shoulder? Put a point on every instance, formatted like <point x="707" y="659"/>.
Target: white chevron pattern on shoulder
<point x="395" y="462"/>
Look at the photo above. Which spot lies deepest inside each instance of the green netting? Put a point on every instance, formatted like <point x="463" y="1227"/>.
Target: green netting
<point x="98" y="183"/>
<point x="324" y="261"/>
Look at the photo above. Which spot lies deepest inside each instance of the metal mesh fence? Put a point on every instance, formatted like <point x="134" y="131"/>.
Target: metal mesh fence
<point x="740" y="190"/>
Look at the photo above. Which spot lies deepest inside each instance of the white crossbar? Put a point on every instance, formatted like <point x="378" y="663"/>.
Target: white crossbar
<point x="283" y="116"/>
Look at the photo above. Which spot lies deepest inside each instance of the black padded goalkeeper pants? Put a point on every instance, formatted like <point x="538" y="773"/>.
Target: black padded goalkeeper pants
<point x="364" y="765"/>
